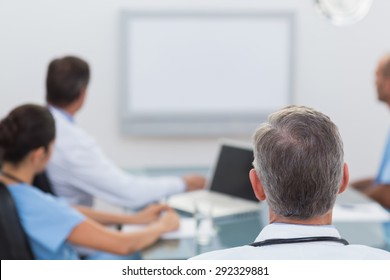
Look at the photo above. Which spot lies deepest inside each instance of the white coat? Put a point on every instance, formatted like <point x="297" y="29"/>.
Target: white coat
<point x="79" y="171"/>
<point x="319" y="250"/>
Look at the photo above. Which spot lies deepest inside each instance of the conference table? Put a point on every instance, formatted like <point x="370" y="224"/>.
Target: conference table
<point x="242" y="230"/>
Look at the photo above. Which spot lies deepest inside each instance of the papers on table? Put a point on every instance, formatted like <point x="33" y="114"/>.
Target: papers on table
<point x="187" y="229"/>
<point x="360" y="212"/>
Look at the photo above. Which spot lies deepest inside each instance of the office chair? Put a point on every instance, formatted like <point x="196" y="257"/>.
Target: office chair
<point x="42" y="182"/>
<point x="13" y="240"/>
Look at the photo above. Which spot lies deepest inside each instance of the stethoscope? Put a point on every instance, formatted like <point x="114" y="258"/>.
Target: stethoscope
<point x="278" y="241"/>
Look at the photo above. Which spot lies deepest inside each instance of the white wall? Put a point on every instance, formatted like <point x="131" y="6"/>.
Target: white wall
<point x="333" y="71"/>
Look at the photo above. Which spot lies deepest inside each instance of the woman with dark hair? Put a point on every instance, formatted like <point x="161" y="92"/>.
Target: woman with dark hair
<point x="52" y="226"/>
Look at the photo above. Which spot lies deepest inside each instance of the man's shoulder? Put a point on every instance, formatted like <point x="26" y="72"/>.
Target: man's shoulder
<point x="367" y="252"/>
<point x="68" y="132"/>
<point x="225" y="254"/>
<point x="350" y="252"/>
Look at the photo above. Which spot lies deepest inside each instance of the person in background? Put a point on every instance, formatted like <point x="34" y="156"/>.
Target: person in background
<point x="52" y="226"/>
<point x="299" y="170"/>
<point x="78" y="170"/>
<point x="378" y="188"/>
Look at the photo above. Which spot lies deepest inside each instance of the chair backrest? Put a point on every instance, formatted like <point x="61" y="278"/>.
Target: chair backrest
<point x="14" y="244"/>
<point x="42" y="182"/>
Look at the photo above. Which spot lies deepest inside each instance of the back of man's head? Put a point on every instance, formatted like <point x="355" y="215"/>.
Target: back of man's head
<point x="386" y="66"/>
<point x="66" y="78"/>
<point x="299" y="160"/>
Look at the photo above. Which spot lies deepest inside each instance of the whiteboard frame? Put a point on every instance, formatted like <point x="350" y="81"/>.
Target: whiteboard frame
<point x="190" y="124"/>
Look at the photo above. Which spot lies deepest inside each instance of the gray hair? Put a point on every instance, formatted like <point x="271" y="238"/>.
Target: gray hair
<point x="299" y="158"/>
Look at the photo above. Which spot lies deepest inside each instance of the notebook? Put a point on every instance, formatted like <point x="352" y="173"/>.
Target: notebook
<point x="229" y="191"/>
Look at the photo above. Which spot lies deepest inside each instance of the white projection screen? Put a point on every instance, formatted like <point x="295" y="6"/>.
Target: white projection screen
<point x="216" y="74"/>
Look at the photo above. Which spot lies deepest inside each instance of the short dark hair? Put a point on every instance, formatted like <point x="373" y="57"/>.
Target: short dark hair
<point x="66" y="77"/>
<point x="26" y="128"/>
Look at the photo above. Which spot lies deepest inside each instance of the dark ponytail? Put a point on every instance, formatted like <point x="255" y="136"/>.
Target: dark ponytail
<point x="26" y="128"/>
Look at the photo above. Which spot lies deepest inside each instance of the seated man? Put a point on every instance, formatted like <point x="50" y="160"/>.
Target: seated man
<point x="378" y="188"/>
<point x="78" y="169"/>
<point x="298" y="169"/>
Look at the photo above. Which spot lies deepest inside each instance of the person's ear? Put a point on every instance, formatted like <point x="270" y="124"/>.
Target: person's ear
<point x="257" y="185"/>
<point x="345" y="180"/>
<point x="83" y="93"/>
<point x="38" y="155"/>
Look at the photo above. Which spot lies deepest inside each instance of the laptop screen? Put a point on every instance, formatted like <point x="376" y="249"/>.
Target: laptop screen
<point x="231" y="174"/>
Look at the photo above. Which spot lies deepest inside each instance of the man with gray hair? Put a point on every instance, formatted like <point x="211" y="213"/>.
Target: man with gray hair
<point x="298" y="169"/>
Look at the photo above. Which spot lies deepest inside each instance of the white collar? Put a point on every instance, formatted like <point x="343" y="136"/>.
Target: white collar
<point x="61" y="112"/>
<point x="283" y="230"/>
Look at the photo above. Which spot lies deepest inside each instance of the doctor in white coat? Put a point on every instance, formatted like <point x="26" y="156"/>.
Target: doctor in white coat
<point x="299" y="170"/>
<point x="78" y="170"/>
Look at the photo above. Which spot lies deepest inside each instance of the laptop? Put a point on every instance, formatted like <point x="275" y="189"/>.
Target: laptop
<point x="229" y="191"/>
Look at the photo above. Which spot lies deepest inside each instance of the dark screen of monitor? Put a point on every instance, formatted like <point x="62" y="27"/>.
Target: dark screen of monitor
<point x="231" y="175"/>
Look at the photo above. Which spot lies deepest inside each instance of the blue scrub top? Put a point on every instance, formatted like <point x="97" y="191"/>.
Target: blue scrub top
<point x="47" y="221"/>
